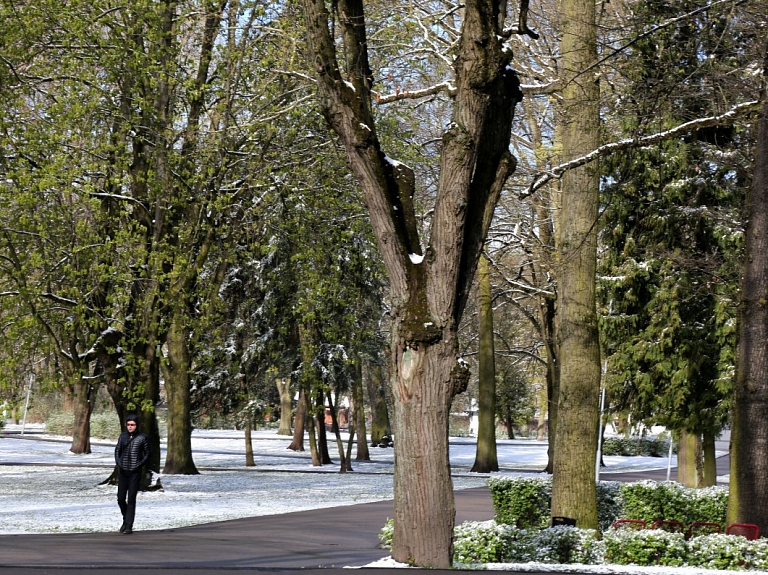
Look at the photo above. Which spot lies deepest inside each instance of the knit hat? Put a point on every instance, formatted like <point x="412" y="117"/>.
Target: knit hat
<point x="132" y="417"/>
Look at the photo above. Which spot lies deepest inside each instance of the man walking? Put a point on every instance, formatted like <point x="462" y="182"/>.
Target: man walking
<point x="131" y="453"/>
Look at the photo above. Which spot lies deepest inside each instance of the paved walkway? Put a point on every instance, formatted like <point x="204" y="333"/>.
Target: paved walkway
<point x="327" y="539"/>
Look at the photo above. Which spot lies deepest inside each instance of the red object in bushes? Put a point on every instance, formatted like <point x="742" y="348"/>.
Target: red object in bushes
<point x="748" y="530"/>
<point x="636" y="524"/>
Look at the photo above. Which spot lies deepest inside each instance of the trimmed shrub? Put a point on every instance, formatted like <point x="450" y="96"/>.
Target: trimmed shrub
<point x="652" y="501"/>
<point x="610" y="503"/>
<point x="650" y="446"/>
<point x="491" y="542"/>
<point x="525" y="501"/>
<point x="719" y="551"/>
<point x="563" y="544"/>
<point x="521" y="501"/>
<point x="646" y="547"/>
<point x="482" y="542"/>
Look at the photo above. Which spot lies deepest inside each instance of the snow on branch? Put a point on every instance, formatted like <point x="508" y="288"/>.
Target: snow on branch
<point x="558" y="171"/>
<point x="120" y="197"/>
<point x="414" y="94"/>
<point x="62" y="300"/>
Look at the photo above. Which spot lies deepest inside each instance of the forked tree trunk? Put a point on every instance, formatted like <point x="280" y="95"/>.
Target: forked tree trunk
<point x="178" y="458"/>
<point x="486" y="459"/>
<point x="748" y="501"/>
<point x="578" y="350"/>
<point x="429" y="280"/>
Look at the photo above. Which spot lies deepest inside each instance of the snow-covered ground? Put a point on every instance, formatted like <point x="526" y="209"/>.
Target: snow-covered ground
<point x="46" y="489"/>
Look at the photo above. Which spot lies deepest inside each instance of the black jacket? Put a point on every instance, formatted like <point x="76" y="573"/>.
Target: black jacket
<point x="131" y="451"/>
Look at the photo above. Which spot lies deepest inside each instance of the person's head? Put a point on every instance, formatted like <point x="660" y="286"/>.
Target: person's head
<point x="131" y="422"/>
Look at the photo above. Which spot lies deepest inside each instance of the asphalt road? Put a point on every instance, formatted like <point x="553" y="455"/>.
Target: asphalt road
<point x="303" y="542"/>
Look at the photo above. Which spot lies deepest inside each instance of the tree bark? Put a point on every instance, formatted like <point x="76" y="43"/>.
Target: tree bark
<point x="322" y="434"/>
<point x="428" y="287"/>
<point x="286" y="405"/>
<point x="709" y="478"/>
<point x="687" y="457"/>
<point x="573" y="482"/>
<point x="83" y="395"/>
<point x="748" y="501"/>
<point x="316" y="461"/>
<point x="359" y="413"/>
<point x="297" y="444"/>
<point x="249" y="461"/>
<point x="178" y="458"/>
<point x="344" y="464"/>
<point x="486" y="459"/>
<point x="378" y="402"/>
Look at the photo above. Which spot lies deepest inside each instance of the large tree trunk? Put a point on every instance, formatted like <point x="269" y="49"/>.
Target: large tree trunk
<point x="486" y="459"/>
<point x="377" y="400"/>
<point x="178" y="458"/>
<point x="748" y="501"/>
<point x="428" y="287"/>
<point x="286" y="405"/>
<point x="573" y="482"/>
<point x="83" y="397"/>
<point x="423" y="519"/>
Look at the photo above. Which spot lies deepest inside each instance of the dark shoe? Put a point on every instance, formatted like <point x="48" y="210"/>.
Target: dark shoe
<point x="127" y="531"/>
<point x="122" y="528"/>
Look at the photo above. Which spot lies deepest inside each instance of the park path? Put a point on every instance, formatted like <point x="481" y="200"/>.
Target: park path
<point x="328" y="539"/>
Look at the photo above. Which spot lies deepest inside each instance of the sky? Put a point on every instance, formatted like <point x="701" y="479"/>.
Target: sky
<point x="46" y="489"/>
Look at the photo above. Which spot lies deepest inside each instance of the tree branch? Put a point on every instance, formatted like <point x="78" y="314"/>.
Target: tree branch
<point x="558" y="171"/>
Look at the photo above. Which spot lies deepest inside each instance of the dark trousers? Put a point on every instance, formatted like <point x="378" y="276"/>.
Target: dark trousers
<point x="127" y="488"/>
